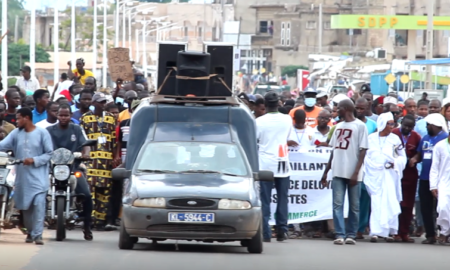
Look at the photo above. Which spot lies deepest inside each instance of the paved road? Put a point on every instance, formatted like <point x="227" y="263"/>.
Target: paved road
<point x="103" y="253"/>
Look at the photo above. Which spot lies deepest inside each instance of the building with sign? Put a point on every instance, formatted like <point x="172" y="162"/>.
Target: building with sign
<point x="288" y="31"/>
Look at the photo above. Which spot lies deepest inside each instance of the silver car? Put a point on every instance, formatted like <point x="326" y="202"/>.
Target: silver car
<point x="191" y="190"/>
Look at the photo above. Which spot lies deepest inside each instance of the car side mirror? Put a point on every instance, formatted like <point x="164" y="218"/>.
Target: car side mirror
<point x="266" y="176"/>
<point x="120" y="174"/>
<point x="89" y="143"/>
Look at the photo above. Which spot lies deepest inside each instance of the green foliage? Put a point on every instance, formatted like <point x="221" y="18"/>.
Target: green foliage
<point x="84" y="29"/>
<point x="18" y="54"/>
<point x="12" y="81"/>
<point x="291" y="71"/>
<point x="15" y="8"/>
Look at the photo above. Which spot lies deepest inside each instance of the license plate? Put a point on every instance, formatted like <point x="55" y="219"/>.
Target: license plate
<point x="191" y="217"/>
<point x="3" y="174"/>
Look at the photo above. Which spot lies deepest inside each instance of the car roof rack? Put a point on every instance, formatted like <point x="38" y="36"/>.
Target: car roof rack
<point x="208" y="100"/>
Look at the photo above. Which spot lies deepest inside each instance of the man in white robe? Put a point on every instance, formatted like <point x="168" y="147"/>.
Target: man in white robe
<point x="384" y="164"/>
<point x="440" y="186"/>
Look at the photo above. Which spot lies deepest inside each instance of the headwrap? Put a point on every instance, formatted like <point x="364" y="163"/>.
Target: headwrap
<point x="135" y="104"/>
<point x="383" y="119"/>
<point x="438" y="120"/>
<point x="390" y="99"/>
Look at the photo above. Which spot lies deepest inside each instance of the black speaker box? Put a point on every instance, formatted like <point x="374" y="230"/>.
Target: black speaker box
<point x="167" y="58"/>
<point x="222" y="65"/>
<point x="193" y="65"/>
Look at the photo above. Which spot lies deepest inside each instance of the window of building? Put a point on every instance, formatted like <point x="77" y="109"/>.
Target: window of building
<point x="283" y="34"/>
<point x="353" y="32"/>
<point x="186" y="31"/>
<point x="446" y="33"/>
<point x="267" y="52"/>
<point x="288" y="33"/>
<point x="243" y="53"/>
<point x="401" y="38"/>
<point x="263" y="26"/>
<point x="327" y="25"/>
<point x="311" y="25"/>
<point x="199" y="32"/>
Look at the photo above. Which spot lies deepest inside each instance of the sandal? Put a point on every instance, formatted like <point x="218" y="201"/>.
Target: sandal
<point x="442" y="239"/>
<point x="408" y="239"/>
<point x="398" y="239"/>
<point x="389" y="239"/>
<point x="88" y="235"/>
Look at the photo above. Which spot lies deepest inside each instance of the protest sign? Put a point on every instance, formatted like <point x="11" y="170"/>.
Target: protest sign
<point x="119" y="64"/>
<point x="308" y="199"/>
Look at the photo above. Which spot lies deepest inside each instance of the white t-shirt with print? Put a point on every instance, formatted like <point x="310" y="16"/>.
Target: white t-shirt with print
<point x="273" y="130"/>
<point x="302" y="136"/>
<point x="44" y="123"/>
<point x="347" y="141"/>
<point x="319" y="136"/>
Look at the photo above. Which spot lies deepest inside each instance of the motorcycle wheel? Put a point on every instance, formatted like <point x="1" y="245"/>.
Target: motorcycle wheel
<point x="60" y="224"/>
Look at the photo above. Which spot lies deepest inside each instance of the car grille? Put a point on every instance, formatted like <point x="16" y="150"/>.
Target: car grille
<point x="188" y="204"/>
<point x="193" y="228"/>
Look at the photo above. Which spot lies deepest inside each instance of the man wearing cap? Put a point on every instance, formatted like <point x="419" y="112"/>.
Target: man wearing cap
<point x="437" y="131"/>
<point x="273" y="130"/>
<point x="26" y="82"/>
<point x="322" y="99"/>
<point x="100" y="126"/>
<point x="312" y="111"/>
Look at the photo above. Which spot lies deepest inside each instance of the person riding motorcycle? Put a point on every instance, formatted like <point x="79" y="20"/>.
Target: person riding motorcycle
<point x="67" y="135"/>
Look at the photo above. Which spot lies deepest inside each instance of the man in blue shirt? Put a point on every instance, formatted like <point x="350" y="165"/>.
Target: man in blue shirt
<point x="437" y="131"/>
<point x="361" y="107"/>
<point x="41" y="97"/>
<point x="421" y="126"/>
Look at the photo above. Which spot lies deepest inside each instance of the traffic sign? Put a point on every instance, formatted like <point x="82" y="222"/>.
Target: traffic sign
<point x="404" y="79"/>
<point x="390" y="78"/>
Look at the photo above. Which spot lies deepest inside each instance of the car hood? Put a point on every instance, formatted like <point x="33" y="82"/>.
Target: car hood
<point x="194" y="185"/>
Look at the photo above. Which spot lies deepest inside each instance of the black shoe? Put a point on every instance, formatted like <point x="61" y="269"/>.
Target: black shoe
<point x="267" y="240"/>
<point x="38" y="241"/>
<point x="282" y="236"/>
<point x="29" y="239"/>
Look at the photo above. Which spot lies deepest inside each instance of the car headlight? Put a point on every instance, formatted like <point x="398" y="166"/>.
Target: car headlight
<point x="61" y="172"/>
<point x="234" y="204"/>
<point x="150" y="202"/>
<point x="4" y="161"/>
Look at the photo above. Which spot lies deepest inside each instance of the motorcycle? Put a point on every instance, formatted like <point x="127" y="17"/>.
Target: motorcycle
<point x="64" y="206"/>
<point x="9" y="217"/>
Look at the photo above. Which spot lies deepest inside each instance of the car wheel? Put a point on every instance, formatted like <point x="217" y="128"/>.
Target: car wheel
<point x="244" y="243"/>
<point x="255" y="245"/>
<point x="125" y="241"/>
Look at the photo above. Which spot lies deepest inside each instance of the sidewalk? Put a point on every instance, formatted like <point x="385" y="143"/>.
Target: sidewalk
<point x="15" y="253"/>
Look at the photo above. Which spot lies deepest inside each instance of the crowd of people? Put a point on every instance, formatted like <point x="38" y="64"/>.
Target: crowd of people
<point x="391" y="157"/>
<point x="36" y="122"/>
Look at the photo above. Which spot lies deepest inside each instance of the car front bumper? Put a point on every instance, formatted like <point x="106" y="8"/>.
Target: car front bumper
<point x="228" y="225"/>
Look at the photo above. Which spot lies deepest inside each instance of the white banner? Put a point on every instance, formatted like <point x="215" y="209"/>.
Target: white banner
<point x="309" y="200"/>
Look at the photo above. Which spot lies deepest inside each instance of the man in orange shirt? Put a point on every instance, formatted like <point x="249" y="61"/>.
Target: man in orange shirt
<point x="312" y="111"/>
<point x="130" y="96"/>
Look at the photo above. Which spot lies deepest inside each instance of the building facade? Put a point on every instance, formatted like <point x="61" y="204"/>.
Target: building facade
<point x="285" y="32"/>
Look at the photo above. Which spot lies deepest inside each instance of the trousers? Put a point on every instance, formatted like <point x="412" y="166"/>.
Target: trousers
<point x="83" y="188"/>
<point x="428" y="208"/>
<point x="34" y="216"/>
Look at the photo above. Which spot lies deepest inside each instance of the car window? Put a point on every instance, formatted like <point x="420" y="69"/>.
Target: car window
<point x="192" y="156"/>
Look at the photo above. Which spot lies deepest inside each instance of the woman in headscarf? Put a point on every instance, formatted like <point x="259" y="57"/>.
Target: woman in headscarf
<point x="384" y="164"/>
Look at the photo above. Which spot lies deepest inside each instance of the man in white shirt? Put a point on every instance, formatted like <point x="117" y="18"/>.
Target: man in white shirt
<point x="322" y="129"/>
<point x="26" y="82"/>
<point x="273" y="131"/>
<point x="52" y="115"/>
<point x="349" y="142"/>
<point x="301" y="135"/>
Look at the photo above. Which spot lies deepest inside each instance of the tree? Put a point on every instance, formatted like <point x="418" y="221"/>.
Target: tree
<point x="291" y="71"/>
<point x="19" y="53"/>
<point x="15" y="8"/>
<point x="84" y="24"/>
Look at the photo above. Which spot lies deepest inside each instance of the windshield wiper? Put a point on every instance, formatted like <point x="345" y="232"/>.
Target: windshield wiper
<point x="156" y="171"/>
<point x="200" y="171"/>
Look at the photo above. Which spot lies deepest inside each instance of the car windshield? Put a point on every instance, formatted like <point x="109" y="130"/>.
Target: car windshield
<point x="191" y="157"/>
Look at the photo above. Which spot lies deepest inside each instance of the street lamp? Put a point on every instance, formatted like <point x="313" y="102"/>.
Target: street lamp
<point x="4" y="44"/>
<point x="32" y="36"/>
<point x="94" y="42"/>
<point x="56" y="45"/>
<point x="72" y="34"/>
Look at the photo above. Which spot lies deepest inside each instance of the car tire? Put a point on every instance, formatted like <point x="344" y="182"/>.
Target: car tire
<point x="125" y="240"/>
<point x="255" y="245"/>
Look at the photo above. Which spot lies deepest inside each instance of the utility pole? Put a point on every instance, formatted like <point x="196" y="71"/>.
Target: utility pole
<point x="320" y="28"/>
<point x="429" y="45"/>
<point x="223" y="20"/>
<point x="16" y="29"/>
